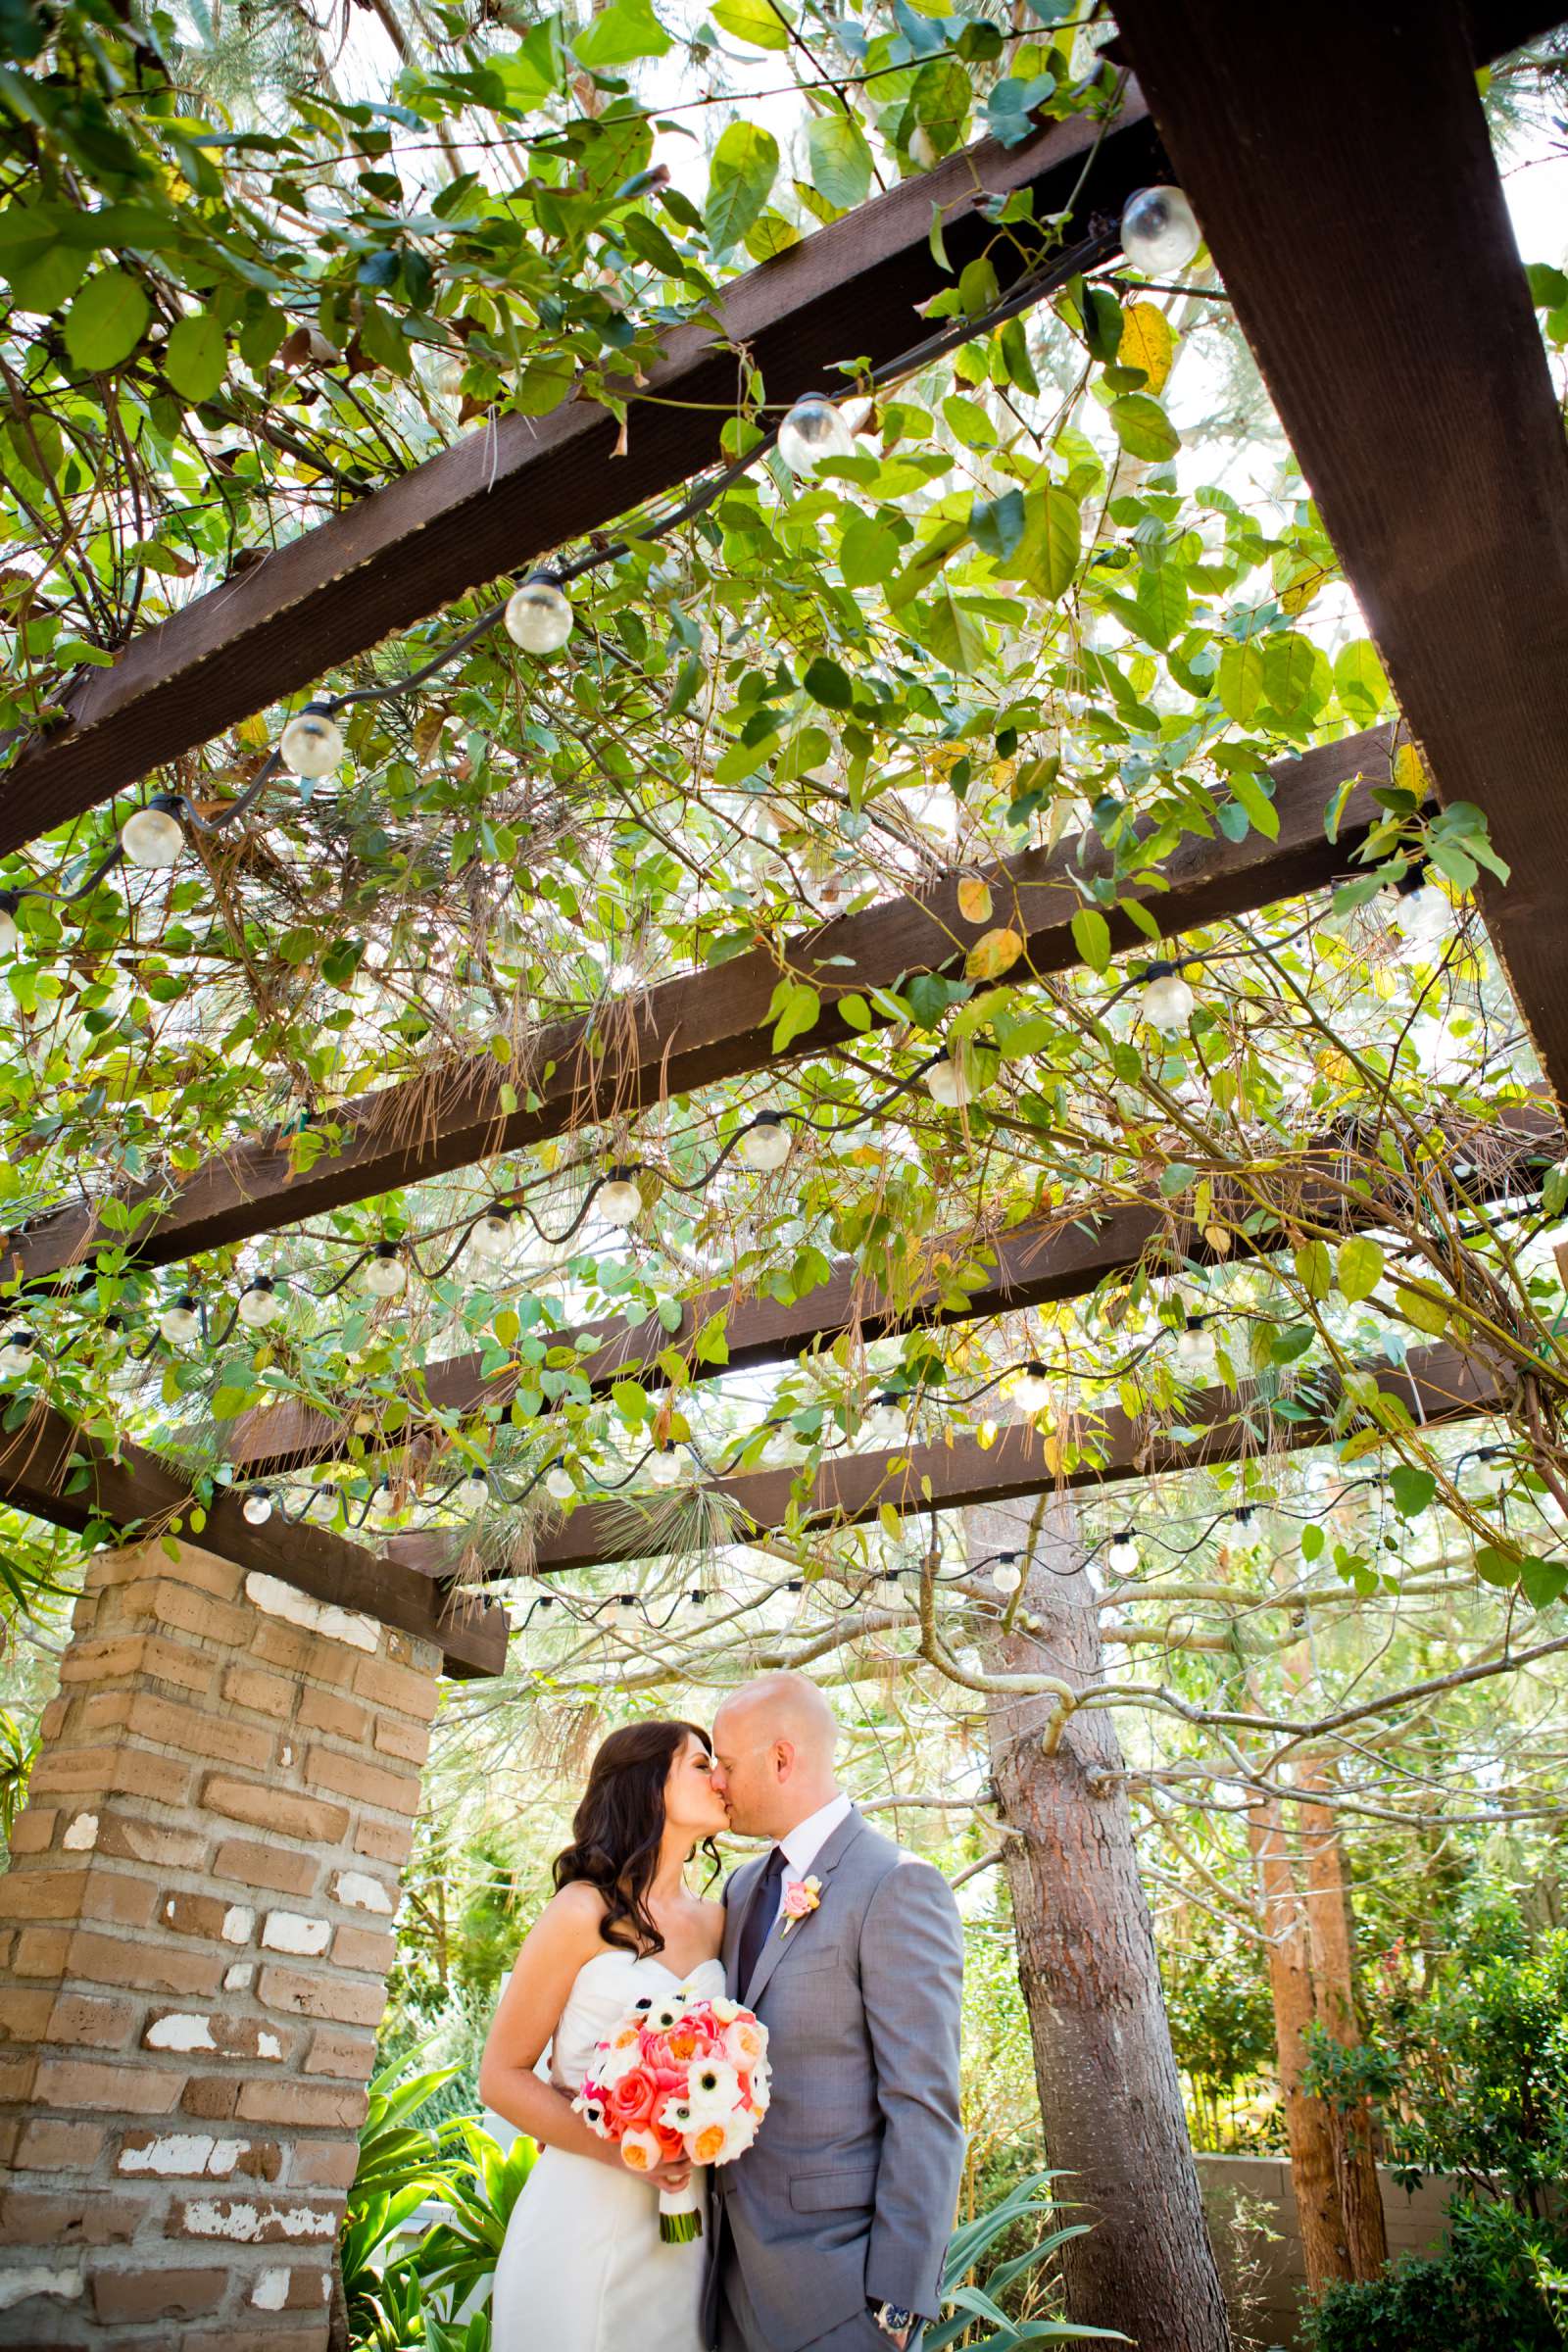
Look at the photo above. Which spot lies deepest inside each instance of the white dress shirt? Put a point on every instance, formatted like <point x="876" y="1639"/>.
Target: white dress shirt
<point x="801" y="1845"/>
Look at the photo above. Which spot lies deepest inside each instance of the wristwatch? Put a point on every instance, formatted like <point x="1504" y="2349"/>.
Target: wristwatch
<point x="893" y="2318"/>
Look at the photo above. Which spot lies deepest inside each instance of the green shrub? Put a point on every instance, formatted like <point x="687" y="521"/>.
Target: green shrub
<point x="1498" y="2288"/>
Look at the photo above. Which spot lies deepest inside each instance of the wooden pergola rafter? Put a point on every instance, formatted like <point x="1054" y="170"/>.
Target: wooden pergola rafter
<point x="1340" y="163"/>
<point x="1040" y="1261"/>
<point x="59" y="1472"/>
<point x="707" y="1026"/>
<point x="1437" y="1386"/>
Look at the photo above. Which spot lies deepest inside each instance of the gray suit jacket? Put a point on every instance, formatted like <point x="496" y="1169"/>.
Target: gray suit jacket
<point x="848" y="2195"/>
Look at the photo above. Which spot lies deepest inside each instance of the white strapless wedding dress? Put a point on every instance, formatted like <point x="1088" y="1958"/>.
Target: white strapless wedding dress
<point x="583" y="2267"/>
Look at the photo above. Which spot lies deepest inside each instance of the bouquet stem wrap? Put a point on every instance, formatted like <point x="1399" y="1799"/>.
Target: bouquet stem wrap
<point x="680" y="2212"/>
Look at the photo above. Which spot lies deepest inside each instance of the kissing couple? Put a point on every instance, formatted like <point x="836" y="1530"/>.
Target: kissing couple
<point x="829" y="2232"/>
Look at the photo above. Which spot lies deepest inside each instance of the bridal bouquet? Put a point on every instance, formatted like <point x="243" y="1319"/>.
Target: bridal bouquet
<point x="686" y="2076"/>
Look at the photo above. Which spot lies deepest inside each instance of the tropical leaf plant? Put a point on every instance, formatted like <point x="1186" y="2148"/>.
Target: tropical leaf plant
<point x="967" y="2298"/>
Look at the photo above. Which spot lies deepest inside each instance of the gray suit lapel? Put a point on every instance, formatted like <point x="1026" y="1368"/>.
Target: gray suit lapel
<point x="778" y="1942"/>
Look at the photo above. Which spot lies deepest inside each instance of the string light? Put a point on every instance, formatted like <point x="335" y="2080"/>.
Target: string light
<point x="1006" y="1575"/>
<point x="538" y="617"/>
<point x="180" y="1322"/>
<point x="764" y="1146"/>
<point x="811" y="433"/>
<point x="560" y="1485"/>
<point x="491" y="1238"/>
<point x="1032" y="1388"/>
<point x="386" y="1276"/>
<point x="1121" y="1553"/>
<point x="258" y="1304"/>
<point x="477" y="1489"/>
<point x="885" y="1423"/>
<point x="1169" y="1000"/>
<point x="257" y="1507"/>
<point x="311" y="743"/>
<point x="666" y="1469"/>
<point x="1424" y="913"/>
<point x="152" y="836"/>
<point x="18" y="1350"/>
<point x="949" y="1083"/>
<point x="1195" y="1350"/>
<point x="1160" y="231"/>
<point x="9" y="937"/>
<point x="620" y="1202"/>
<point x="381" y="1501"/>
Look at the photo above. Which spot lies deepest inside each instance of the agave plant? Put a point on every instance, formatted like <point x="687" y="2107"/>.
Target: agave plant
<point x="965" y="2300"/>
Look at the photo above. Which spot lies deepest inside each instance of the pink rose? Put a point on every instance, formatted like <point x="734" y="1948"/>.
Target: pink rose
<point x="631" y="2103"/>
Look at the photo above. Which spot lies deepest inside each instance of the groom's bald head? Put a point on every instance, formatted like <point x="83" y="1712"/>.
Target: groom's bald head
<point x="774" y="1744"/>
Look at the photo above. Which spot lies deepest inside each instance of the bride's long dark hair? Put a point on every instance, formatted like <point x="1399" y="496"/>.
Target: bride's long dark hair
<point x="619" y="1825"/>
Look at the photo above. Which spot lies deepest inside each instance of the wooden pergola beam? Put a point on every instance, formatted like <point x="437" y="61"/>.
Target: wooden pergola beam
<point x="503" y="497"/>
<point x="1339" y="161"/>
<point x="54" y="1470"/>
<point x="708" y="1026"/>
<point x="1034" y="1263"/>
<point x="1437" y="1385"/>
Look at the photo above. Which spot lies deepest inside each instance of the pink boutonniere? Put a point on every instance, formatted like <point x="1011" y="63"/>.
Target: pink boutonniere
<point x="800" y="1901"/>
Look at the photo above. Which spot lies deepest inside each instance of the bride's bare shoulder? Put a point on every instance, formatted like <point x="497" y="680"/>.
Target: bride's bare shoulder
<point x="573" y="1914"/>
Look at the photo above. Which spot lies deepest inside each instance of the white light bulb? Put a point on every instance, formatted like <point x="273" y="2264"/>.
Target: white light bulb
<point x="1160" y="231"/>
<point x="491" y="1238"/>
<point x="477" y="1489"/>
<point x="1249" y="1528"/>
<point x="181" y="1323"/>
<point x="619" y="1201"/>
<point x="885" y="1423"/>
<point x="560" y="1484"/>
<point x="151" y="837"/>
<point x="17" y="1350"/>
<point x="381" y="1499"/>
<point x="9" y="937"/>
<point x="259" y="1304"/>
<point x="1195" y="1350"/>
<point x="765" y="1144"/>
<point x="1032" y="1389"/>
<point x="1424" y="915"/>
<point x="813" y="430"/>
<point x="1168" y="1001"/>
<point x="257" y="1507"/>
<point x="386" y="1276"/>
<point x="538" y="616"/>
<point x="949" y="1083"/>
<point x="666" y="1470"/>
<point x="1006" y="1577"/>
<point x="1121" y="1554"/>
<point x="312" y="744"/>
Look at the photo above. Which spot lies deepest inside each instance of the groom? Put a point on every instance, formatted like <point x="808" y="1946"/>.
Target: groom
<point x="832" y="2229"/>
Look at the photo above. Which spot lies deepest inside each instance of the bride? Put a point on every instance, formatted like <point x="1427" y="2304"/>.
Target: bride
<point x="583" y="2267"/>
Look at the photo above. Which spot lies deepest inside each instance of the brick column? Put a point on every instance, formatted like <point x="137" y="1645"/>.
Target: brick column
<point x="194" y="1940"/>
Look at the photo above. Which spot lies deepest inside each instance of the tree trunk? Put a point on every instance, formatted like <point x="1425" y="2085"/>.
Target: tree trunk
<point x="1330" y="1941"/>
<point x="1309" y="2123"/>
<point x="1110" y="2098"/>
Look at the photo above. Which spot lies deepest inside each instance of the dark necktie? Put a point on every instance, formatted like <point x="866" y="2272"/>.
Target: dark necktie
<point x="761" y="1913"/>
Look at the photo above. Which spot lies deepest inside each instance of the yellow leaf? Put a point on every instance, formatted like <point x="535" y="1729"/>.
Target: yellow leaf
<point x="1408" y="772"/>
<point x="974" y="899"/>
<point x="1304" y="587"/>
<point x="1219" y="1240"/>
<point x="253" y="731"/>
<point x="1146" y="342"/>
<point x="993" y="954"/>
<point x="427" y="734"/>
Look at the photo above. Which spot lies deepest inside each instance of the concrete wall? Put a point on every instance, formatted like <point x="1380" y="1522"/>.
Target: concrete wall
<point x="194" y="1940"/>
<point x="1417" y="2224"/>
